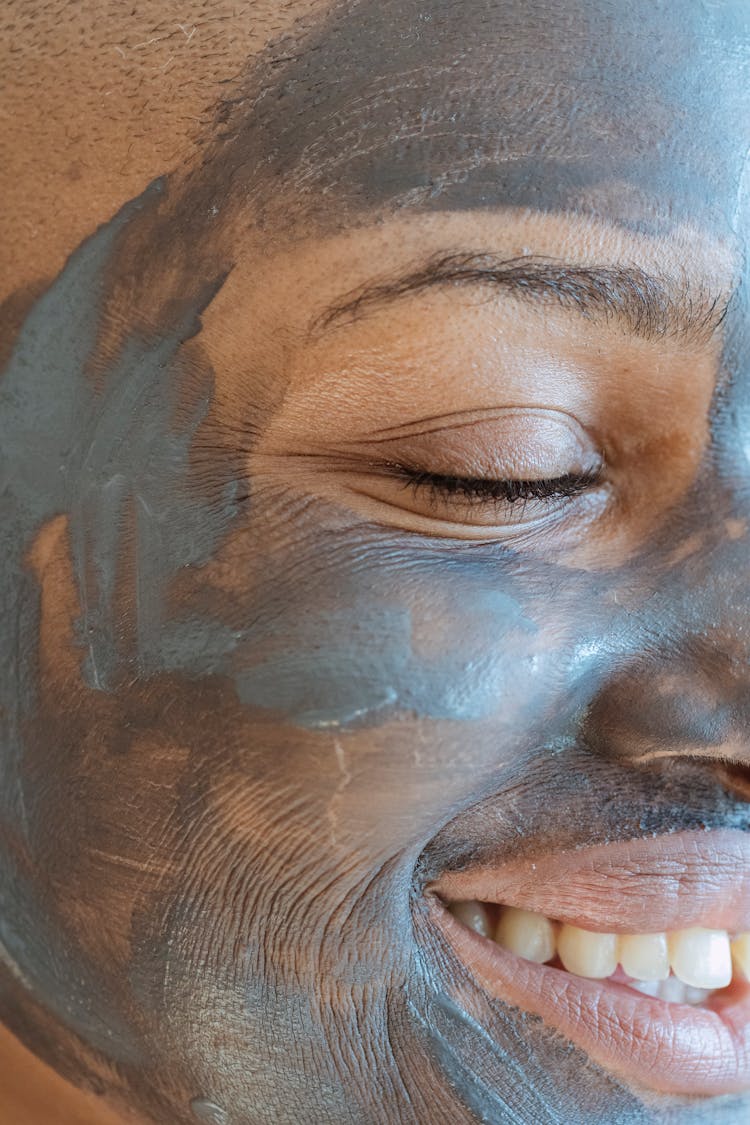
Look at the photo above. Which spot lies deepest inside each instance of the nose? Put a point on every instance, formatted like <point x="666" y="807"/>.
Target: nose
<point x="691" y="700"/>
<point x="683" y="689"/>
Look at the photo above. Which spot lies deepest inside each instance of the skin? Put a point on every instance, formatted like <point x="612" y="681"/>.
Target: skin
<point x="258" y="693"/>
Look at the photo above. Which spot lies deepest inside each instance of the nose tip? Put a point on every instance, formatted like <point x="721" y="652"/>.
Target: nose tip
<point x="692" y="703"/>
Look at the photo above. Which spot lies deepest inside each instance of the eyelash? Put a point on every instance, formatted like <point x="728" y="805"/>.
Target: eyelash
<point x="481" y="490"/>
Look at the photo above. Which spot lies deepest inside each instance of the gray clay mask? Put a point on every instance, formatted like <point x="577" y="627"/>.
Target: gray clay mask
<point x="376" y="496"/>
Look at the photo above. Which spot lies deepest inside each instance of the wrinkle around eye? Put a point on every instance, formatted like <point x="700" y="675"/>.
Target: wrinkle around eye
<point x="422" y="511"/>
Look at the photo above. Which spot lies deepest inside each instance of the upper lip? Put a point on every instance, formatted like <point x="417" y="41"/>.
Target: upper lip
<point x="639" y="886"/>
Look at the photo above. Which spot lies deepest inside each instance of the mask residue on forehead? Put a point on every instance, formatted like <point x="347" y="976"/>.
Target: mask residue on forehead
<point x="553" y="107"/>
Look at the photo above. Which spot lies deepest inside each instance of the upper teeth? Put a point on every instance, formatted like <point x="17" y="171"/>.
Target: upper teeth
<point x="701" y="959"/>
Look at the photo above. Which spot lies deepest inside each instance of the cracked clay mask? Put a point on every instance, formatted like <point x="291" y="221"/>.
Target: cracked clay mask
<point x="375" y="494"/>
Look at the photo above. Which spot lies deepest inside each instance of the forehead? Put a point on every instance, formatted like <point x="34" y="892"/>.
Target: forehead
<point x="626" y="111"/>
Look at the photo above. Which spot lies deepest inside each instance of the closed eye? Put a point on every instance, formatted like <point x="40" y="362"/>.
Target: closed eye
<point x="479" y="490"/>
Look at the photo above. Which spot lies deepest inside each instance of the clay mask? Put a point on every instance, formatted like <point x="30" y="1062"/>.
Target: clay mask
<point x="361" y="538"/>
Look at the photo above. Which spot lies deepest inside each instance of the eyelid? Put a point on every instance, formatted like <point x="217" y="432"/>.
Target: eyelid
<point x="509" y="443"/>
<point x="437" y="508"/>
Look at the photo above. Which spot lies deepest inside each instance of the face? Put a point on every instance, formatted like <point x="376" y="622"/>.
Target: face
<point x="376" y="541"/>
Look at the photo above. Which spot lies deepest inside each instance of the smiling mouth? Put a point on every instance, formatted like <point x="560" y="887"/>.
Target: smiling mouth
<point x="638" y="952"/>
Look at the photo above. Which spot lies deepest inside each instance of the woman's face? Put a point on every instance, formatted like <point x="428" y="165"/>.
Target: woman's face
<point x="377" y="502"/>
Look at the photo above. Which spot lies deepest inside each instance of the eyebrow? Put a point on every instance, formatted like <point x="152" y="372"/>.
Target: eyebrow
<point x="645" y="304"/>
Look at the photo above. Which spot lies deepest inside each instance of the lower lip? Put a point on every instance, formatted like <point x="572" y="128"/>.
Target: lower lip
<point x="670" y="1048"/>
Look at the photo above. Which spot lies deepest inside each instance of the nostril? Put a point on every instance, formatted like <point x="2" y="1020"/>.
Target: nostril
<point x="735" y="778"/>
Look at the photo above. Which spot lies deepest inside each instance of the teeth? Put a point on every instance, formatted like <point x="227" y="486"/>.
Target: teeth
<point x="528" y="935"/>
<point x="741" y="955"/>
<point x="651" y="987"/>
<point x="696" y="995"/>
<point x="672" y="990"/>
<point x="644" y="956"/>
<point x="474" y="915"/>
<point x="587" y="954"/>
<point x="701" y="958"/>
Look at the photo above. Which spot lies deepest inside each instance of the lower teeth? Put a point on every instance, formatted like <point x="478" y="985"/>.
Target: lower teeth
<point x="672" y="990"/>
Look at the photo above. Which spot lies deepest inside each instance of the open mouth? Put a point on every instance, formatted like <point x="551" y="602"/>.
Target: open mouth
<point x="638" y="952"/>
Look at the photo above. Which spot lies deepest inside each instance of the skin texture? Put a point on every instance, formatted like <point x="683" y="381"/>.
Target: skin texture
<point x="257" y="692"/>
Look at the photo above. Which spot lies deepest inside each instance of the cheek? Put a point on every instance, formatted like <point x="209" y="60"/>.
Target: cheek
<point x="332" y="627"/>
<point x="375" y="682"/>
<point x="341" y="693"/>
